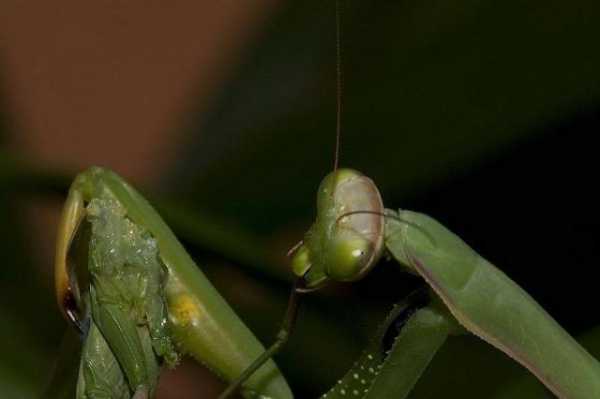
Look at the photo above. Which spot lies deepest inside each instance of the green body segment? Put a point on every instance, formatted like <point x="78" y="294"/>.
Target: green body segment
<point x="360" y="377"/>
<point x="413" y="350"/>
<point x="100" y="375"/>
<point x="126" y="293"/>
<point x="383" y="372"/>
<point x="489" y="304"/>
<point x="201" y="322"/>
<point x="131" y="345"/>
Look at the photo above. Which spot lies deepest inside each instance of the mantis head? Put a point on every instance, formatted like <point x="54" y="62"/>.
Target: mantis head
<point x="346" y="240"/>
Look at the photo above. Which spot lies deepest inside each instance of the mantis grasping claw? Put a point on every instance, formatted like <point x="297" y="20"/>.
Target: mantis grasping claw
<point x="138" y="298"/>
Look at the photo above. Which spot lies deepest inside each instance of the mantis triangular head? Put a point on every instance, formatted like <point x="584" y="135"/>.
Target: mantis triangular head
<point x="347" y="238"/>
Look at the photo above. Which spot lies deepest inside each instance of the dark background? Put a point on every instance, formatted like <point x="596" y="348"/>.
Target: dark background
<point x="481" y="114"/>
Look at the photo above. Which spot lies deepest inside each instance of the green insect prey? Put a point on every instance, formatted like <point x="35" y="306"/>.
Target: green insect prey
<point x="143" y="297"/>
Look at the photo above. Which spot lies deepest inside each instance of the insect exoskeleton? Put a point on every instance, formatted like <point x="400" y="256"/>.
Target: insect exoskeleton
<point x="67" y="290"/>
<point x="347" y="238"/>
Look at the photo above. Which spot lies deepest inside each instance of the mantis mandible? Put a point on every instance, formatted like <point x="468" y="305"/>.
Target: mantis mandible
<point x="147" y="300"/>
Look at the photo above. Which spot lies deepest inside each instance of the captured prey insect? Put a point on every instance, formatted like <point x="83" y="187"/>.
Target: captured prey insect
<point x="139" y="300"/>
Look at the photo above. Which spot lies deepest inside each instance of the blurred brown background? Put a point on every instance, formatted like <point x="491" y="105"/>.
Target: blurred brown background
<point x="108" y="82"/>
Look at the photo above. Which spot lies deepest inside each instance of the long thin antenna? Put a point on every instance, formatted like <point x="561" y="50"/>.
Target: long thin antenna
<point x="338" y="48"/>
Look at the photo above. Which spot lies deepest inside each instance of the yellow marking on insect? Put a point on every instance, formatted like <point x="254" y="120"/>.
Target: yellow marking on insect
<point x="185" y="310"/>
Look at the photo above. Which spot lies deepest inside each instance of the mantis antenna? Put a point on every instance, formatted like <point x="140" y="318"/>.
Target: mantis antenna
<point x="338" y="75"/>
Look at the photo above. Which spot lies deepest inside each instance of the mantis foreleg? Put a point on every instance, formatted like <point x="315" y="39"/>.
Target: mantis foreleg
<point x="146" y="293"/>
<point x="490" y="305"/>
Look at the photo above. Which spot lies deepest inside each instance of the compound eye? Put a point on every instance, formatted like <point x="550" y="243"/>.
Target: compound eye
<point x="348" y="258"/>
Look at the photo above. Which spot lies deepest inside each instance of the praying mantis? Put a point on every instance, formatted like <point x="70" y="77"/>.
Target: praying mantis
<point x="147" y="300"/>
<point x="350" y="235"/>
<point x="469" y="294"/>
<point x="353" y="231"/>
